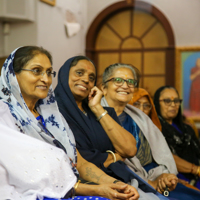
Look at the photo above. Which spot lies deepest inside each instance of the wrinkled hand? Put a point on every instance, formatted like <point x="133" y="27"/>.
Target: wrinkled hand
<point x="94" y="98"/>
<point x="166" y="180"/>
<point x="119" y="190"/>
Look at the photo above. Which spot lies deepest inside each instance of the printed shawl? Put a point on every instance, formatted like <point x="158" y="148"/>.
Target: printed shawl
<point x="26" y="122"/>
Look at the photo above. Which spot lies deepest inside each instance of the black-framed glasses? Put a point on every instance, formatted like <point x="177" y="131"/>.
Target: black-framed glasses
<point x="38" y="72"/>
<point x="168" y="102"/>
<point x="120" y="81"/>
<point x="146" y="106"/>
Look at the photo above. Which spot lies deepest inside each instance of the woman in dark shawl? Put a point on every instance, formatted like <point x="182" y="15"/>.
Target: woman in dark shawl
<point x="92" y="137"/>
<point x="180" y="137"/>
<point x="28" y="106"/>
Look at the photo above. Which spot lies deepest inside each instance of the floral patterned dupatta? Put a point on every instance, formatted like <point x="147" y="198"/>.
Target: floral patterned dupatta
<point x="26" y="122"/>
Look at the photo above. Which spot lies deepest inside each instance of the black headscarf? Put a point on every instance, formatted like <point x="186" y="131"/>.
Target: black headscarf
<point x="91" y="139"/>
<point x="184" y="144"/>
<point x="85" y="129"/>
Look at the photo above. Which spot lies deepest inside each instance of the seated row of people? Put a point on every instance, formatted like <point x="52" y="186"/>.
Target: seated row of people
<point x="135" y="153"/>
<point x="180" y="137"/>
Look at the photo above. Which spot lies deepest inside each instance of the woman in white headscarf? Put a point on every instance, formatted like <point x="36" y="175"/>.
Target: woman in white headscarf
<point x="25" y="84"/>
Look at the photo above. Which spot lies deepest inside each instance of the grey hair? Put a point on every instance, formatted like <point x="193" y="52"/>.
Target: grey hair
<point x="109" y="71"/>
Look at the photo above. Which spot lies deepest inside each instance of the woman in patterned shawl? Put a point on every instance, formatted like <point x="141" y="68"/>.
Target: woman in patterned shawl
<point x="25" y="84"/>
<point x="154" y="161"/>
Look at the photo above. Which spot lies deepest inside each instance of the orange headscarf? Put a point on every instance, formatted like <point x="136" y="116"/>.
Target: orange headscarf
<point x="139" y="93"/>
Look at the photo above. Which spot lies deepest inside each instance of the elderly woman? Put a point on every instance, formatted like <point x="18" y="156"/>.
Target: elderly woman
<point x="180" y="137"/>
<point x="25" y="83"/>
<point x="153" y="161"/>
<point x="100" y="139"/>
<point x="143" y="101"/>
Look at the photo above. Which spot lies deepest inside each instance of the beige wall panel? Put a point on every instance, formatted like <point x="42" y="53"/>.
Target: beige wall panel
<point x="132" y="58"/>
<point x="104" y="60"/>
<point x="154" y="63"/>
<point x="156" y="37"/>
<point x="141" y="22"/>
<point x="151" y="84"/>
<point x="121" y="23"/>
<point x="107" y="39"/>
<point x="131" y="43"/>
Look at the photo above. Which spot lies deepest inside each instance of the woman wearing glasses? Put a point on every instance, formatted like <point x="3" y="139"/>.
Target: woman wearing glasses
<point x="119" y="82"/>
<point x="47" y="163"/>
<point x="180" y="137"/>
<point x="142" y="100"/>
<point x="100" y="138"/>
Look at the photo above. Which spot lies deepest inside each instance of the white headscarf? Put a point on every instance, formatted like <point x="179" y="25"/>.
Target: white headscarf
<point x="25" y="121"/>
<point x="30" y="168"/>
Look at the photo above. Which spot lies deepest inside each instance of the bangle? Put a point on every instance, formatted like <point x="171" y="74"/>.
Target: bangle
<point x="115" y="181"/>
<point x="104" y="113"/>
<point x="114" y="157"/>
<point x="198" y="171"/>
<point x="76" y="185"/>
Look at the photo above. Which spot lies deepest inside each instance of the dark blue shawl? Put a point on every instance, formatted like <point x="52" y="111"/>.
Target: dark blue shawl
<point x="91" y="139"/>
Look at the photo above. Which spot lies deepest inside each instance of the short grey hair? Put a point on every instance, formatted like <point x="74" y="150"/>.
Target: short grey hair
<point x="109" y="71"/>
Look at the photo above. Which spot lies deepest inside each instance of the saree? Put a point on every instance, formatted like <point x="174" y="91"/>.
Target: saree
<point x="166" y="164"/>
<point x="163" y="157"/>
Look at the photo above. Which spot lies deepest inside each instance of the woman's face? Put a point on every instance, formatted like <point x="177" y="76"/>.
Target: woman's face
<point x="34" y="87"/>
<point x="81" y="79"/>
<point x="143" y="104"/>
<point x="119" y="94"/>
<point x="168" y="112"/>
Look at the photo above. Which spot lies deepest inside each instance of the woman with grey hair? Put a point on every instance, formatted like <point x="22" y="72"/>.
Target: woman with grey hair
<point x="153" y="161"/>
<point x="100" y="138"/>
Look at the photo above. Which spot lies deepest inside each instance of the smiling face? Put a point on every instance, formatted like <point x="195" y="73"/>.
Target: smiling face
<point x="171" y="111"/>
<point x="119" y="94"/>
<point x="35" y="87"/>
<point x="81" y="79"/>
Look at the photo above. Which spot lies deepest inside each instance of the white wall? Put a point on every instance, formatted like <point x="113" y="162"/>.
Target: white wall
<point x="48" y="29"/>
<point x="183" y="15"/>
<point x="20" y="34"/>
<point x="52" y="34"/>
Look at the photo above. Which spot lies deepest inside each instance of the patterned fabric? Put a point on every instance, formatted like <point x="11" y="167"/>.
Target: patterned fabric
<point x="144" y="152"/>
<point x="81" y="198"/>
<point x="26" y="122"/>
<point x="143" y="147"/>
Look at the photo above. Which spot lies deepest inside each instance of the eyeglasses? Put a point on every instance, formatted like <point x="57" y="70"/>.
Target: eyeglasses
<point x="146" y="106"/>
<point x="168" y="102"/>
<point x="38" y="72"/>
<point x="120" y="81"/>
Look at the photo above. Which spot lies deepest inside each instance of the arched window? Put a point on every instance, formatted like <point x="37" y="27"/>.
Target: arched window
<point x="137" y="34"/>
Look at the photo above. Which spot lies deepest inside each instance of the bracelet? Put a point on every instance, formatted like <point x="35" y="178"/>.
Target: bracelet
<point x="115" y="181"/>
<point x="104" y="113"/>
<point x="198" y="171"/>
<point x="76" y="185"/>
<point x="114" y="157"/>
